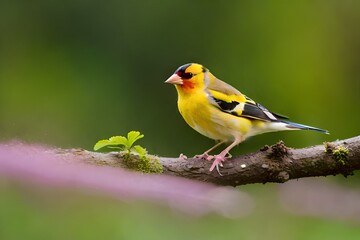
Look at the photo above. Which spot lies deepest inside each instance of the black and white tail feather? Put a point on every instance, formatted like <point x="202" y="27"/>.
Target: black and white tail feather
<point x="252" y="110"/>
<point x="303" y="127"/>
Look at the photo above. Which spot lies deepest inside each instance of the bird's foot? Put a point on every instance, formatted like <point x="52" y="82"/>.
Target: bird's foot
<point x="204" y="156"/>
<point x="183" y="156"/>
<point x="218" y="162"/>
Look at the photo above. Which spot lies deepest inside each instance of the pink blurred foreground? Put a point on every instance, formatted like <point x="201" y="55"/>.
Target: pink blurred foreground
<point x="41" y="165"/>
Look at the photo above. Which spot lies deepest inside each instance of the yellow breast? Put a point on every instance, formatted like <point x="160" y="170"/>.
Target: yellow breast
<point x="209" y="120"/>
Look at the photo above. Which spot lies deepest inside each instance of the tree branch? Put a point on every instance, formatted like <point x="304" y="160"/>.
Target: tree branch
<point x="270" y="164"/>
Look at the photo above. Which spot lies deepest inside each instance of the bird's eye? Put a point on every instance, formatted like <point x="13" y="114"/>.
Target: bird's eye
<point x="187" y="75"/>
<point x="184" y="75"/>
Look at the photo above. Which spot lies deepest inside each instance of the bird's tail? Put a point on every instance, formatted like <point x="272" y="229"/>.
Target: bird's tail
<point x="294" y="126"/>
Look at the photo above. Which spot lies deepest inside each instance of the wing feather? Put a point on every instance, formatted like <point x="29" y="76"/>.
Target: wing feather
<point x="223" y="87"/>
<point x="230" y="100"/>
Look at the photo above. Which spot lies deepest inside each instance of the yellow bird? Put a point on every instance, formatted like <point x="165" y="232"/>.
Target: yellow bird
<point x="219" y="111"/>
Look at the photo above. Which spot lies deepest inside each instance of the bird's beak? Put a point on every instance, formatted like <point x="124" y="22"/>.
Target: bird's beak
<point x="174" y="79"/>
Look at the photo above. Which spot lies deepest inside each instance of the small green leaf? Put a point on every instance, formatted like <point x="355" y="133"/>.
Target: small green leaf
<point x="119" y="140"/>
<point x="115" y="147"/>
<point x="133" y="136"/>
<point x="101" y="144"/>
<point x="140" y="150"/>
<point x="111" y="143"/>
<point x="122" y="143"/>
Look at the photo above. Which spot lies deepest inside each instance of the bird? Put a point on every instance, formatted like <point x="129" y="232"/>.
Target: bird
<point x="219" y="111"/>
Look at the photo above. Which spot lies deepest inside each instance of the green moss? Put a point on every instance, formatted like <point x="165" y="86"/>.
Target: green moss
<point x="340" y="154"/>
<point x="327" y="149"/>
<point x="146" y="163"/>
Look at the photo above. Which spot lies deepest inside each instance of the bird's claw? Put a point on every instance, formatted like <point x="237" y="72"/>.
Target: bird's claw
<point x="204" y="156"/>
<point x="183" y="156"/>
<point x="217" y="162"/>
<point x="218" y="159"/>
<point x="218" y="170"/>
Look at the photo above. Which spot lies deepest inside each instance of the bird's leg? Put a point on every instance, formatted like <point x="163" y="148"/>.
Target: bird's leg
<point x="222" y="156"/>
<point x="206" y="155"/>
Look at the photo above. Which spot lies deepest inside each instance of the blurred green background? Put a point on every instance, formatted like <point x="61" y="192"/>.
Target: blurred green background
<point x="73" y="72"/>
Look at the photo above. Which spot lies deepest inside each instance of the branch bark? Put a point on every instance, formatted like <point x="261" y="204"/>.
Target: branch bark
<point x="276" y="163"/>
